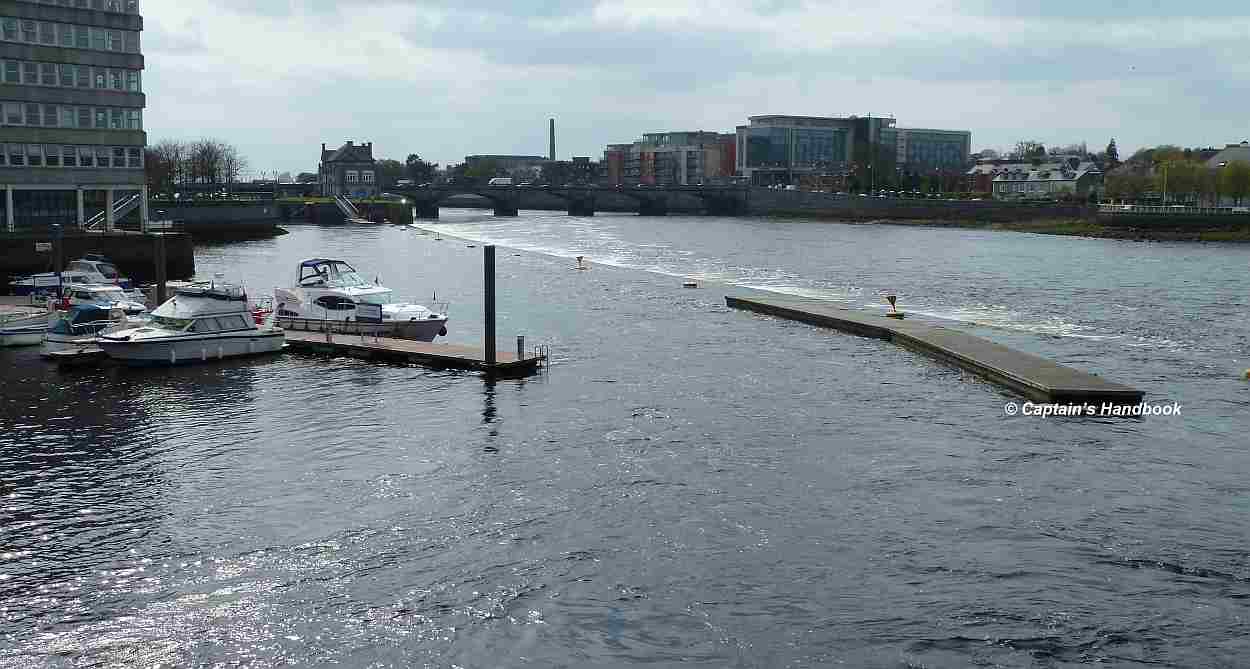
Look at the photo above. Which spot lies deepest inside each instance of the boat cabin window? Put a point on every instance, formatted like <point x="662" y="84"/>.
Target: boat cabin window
<point x="107" y="270"/>
<point x="335" y="303"/>
<point x="229" y="323"/>
<point x="168" y="323"/>
<point x="334" y="274"/>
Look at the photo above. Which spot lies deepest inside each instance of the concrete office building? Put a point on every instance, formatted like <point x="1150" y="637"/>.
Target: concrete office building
<point x="926" y="149"/>
<point x="71" y="111"/>
<point x="671" y="159"/>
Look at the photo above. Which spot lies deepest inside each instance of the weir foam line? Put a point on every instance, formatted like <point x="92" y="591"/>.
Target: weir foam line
<point x="1032" y="376"/>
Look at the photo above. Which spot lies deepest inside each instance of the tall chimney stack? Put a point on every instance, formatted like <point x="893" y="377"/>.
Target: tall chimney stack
<point x="551" y="153"/>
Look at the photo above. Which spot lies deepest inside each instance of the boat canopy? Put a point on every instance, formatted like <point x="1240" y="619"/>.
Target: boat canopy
<point x="77" y="316"/>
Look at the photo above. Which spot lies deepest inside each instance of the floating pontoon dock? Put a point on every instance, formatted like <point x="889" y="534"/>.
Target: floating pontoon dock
<point x="403" y="350"/>
<point x="1032" y="376"/>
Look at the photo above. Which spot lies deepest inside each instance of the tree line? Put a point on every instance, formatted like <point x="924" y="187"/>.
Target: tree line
<point x="171" y="164"/>
<point x="1180" y="176"/>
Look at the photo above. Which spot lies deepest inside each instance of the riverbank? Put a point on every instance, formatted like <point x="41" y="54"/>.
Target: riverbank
<point x="1094" y="228"/>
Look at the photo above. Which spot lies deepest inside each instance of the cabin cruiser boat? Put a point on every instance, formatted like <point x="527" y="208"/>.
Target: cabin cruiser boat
<point x="88" y="269"/>
<point x="200" y="322"/>
<point x="330" y="295"/>
<point x="105" y="296"/>
<point x="76" y="328"/>
<point x="22" y="326"/>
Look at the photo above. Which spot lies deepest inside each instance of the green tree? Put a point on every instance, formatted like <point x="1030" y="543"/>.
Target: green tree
<point x="1236" y="181"/>
<point x="1208" y="187"/>
<point x="1179" y="179"/>
<point x="418" y="170"/>
<point x="485" y="169"/>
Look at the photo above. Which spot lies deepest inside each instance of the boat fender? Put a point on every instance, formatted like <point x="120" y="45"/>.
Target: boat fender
<point x="1247" y="375"/>
<point x="443" y="332"/>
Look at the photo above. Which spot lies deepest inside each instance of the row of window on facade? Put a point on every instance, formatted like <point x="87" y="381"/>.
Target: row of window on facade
<point x="69" y="76"/>
<point x="66" y="116"/>
<point x="68" y="35"/>
<point x="69" y="155"/>
<point x="1034" y="187"/>
<point x="358" y="177"/>
<point x="118" y="6"/>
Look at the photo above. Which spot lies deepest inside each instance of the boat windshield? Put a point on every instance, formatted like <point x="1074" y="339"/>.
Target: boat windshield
<point x="168" y="323"/>
<point x="382" y="297"/>
<point x="331" y="274"/>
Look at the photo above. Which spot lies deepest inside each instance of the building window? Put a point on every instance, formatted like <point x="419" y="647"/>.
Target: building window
<point x="69" y="156"/>
<point x="131" y="44"/>
<point x="136" y="157"/>
<point x="28" y="32"/>
<point x="32" y="115"/>
<point x="10" y="29"/>
<point x="67" y="35"/>
<point x="47" y="33"/>
<point x="83" y="75"/>
<point x="119" y="156"/>
<point x="101" y="156"/>
<point x="12" y="113"/>
<point x="113" y="41"/>
<point x="12" y="74"/>
<point x="352" y="176"/>
<point x="50" y="116"/>
<point x="367" y="176"/>
<point x="68" y="117"/>
<point x="99" y="78"/>
<point x="30" y="73"/>
<point x="84" y="117"/>
<point x="17" y="154"/>
<point x="86" y="156"/>
<point x="82" y="39"/>
<point x="101" y="118"/>
<point x="98" y="38"/>
<point x="34" y="155"/>
<point x="47" y="74"/>
<point x="134" y="120"/>
<point x="115" y="119"/>
<point x="68" y="75"/>
<point x="132" y="81"/>
<point x="52" y="155"/>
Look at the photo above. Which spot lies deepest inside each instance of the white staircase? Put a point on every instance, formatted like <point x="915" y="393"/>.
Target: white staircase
<point x="345" y="205"/>
<point x="120" y="208"/>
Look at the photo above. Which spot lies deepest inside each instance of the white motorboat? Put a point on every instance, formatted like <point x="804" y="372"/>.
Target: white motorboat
<point x="330" y="295"/>
<point x="77" y="328"/>
<point x="205" y="321"/>
<point x="88" y="269"/>
<point x="22" y="326"/>
<point x="105" y="296"/>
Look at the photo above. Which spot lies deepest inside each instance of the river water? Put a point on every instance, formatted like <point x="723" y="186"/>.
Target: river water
<point x="687" y="484"/>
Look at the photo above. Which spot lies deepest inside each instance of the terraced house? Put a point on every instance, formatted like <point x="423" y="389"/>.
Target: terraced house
<point x="71" y="107"/>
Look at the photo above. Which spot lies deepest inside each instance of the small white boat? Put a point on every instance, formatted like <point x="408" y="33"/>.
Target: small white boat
<point x="22" y="326"/>
<point x="330" y="295"/>
<point x="76" y="329"/>
<point x="206" y="321"/>
<point x="88" y="269"/>
<point x="105" y="296"/>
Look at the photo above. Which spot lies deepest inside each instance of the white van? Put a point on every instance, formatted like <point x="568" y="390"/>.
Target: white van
<point x="500" y="181"/>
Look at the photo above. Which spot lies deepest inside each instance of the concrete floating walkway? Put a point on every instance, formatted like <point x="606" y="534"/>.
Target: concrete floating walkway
<point x="448" y="356"/>
<point x="1032" y="376"/>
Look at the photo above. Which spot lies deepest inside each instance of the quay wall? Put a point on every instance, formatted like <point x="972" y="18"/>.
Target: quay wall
<point x="210" y="221"/>
<point x="133" y="252"/>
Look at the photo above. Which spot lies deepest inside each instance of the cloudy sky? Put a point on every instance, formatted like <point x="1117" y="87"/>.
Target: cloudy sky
<point x="448" y="78"/>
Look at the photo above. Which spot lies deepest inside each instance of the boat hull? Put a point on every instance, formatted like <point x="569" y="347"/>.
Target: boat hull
<point x="22" y="336"/>
<point x="184" y="350"/>
<point x="56" y="343"/>
<point x="421" y="330"/>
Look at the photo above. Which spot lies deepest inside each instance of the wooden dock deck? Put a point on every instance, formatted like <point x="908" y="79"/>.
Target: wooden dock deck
<point x="446" y="356"/>
<point x="1032" y="376"/>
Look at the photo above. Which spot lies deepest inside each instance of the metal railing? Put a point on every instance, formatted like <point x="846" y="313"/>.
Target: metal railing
<point x="120" y="209"/>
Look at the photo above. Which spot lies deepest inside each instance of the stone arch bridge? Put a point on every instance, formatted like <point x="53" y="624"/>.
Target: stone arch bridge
<point x="652" y="200"/>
